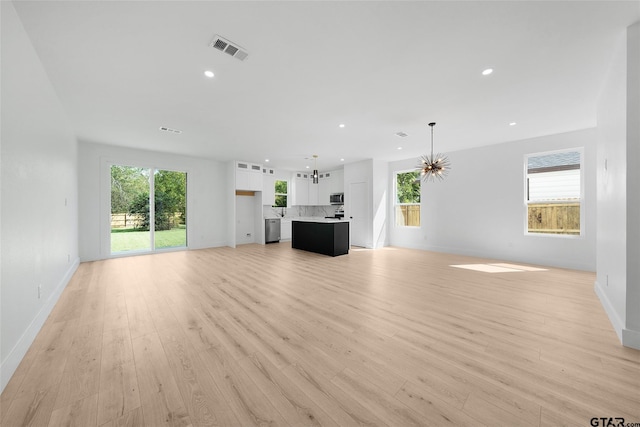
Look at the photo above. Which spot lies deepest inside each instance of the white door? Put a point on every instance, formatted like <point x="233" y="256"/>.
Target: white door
<point x="358" y="203"/>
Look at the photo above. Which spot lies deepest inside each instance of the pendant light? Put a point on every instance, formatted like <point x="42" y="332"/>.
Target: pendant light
<point x="434" y="167"/>
<point x="315" y="168"/>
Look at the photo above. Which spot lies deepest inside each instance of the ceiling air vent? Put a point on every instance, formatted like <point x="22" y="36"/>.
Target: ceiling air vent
<point x="166" y="129"/>
<point x="401" y="134"/>
<point x="224" y="45"/>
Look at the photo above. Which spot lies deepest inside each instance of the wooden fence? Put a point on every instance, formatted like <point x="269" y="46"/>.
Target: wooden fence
<point x="554" y="218"/>
<point x="408" y="215"/>
<point x="549" y="218"/>
<point x="126" y="220"/>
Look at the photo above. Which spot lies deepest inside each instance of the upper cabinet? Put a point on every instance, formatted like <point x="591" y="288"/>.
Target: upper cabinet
<point x="268" y="186"/>
<point x="306" y="193"/>
<point x="301" y="188"/>
<point x="337" y="181"/>
<point x="248" y="176"/>
<point x="313" y="192"/>
<point x="325" y="179"/>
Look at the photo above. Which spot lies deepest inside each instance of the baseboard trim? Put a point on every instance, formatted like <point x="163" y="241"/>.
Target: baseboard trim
<point x="631" y="338"/>
<point x="616" y="322"/>
<point x="10" y="364"/>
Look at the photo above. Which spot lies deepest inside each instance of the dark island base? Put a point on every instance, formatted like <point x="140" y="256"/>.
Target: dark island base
<point x="321" y="237"/>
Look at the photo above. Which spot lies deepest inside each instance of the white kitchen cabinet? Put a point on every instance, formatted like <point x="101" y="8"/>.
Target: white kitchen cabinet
<point x="300" y="188"/>
<point x="337" y="181"/>
<point x="325" y="181"/>
<point x="285" y="229"/>
<point x="268" y="189"/>
<point x="306" y="193"/>
<point x="248" y="176"/>
<point x="313" y="192"/>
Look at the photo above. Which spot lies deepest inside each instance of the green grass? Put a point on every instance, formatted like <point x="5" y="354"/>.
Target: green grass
<point x="123" y="240"/>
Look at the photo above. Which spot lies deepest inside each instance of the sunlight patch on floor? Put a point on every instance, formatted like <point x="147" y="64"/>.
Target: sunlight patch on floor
<point x="520" y="267"/>
<point x="498" y="268"/>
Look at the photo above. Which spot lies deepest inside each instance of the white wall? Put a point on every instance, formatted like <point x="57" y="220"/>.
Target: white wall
<point x="618" y="277"/>
<point x="612" y="190"/>
<point x="359" y="172"/>
<point x="375" y="174"/>
<point x="39" y="195"/>
<point x="631" y="334"/>
<point x="479" y="208"/>
<point x="380" y="212"/>
<point x="230" y="195"/>
<point x="207" y="195"/>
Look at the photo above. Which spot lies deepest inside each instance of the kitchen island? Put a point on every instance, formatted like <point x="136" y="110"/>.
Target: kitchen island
<point x="326" y="236"/>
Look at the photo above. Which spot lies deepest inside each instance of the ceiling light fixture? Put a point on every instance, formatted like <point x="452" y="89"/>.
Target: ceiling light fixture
<point x="315" y="169"/>
<point x="512" y="124"/>
<point x="399" y="148"/>
<point x="341" y="125"/>
<point x="432" y="167"/>
<point x="487" y="71"/>
<point x="209" y="74"/>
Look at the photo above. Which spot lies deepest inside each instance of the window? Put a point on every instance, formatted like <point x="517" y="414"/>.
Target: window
<point x="407" y="199"/>
<point x="554" y="192"/>
<point x="281" y="194"/>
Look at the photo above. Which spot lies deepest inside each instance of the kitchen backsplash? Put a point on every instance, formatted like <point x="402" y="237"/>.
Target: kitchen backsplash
<point x="299" y="211"/>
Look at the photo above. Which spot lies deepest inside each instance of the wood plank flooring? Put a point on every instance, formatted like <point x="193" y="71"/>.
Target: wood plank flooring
<point x="271" y="336"/>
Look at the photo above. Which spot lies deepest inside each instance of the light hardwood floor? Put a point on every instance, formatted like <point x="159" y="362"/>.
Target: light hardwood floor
<point x="268" y="335"/>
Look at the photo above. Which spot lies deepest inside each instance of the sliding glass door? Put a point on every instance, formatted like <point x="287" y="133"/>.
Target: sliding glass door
<point x="132" y="190"/>
<point x="130" y="209"/>
<point x="170" y="209"/>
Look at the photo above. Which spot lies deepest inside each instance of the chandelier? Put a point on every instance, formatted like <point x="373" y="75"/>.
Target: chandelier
<point x="433" y="167"/>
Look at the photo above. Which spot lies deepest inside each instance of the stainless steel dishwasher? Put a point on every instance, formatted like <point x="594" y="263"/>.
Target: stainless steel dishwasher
<point x="272" y="230"/>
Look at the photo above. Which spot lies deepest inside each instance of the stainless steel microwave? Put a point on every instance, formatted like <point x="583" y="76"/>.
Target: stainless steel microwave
<point x="336" y="198"/>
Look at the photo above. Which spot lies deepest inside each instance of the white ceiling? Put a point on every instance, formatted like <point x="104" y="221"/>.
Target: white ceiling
<point x="124" y="69"/>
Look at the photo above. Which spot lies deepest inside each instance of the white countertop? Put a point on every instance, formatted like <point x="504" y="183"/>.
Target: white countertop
<point x="319" y="219"/>
<point x="307" y="219"/>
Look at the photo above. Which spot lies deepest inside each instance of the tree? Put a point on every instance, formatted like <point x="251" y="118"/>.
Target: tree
<point x="126" y="184"/>
<point x="170" y="198"/>
<point x="171" y="193"/>
<point x="408" y="187"/>
<point x="140" y="207"/>
<point x="281" y="194"/>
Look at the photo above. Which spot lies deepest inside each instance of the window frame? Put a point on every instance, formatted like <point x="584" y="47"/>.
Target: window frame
<point x="397" y="204"/>
<point x="105" y="210"/>
<point x="580" y="200"/>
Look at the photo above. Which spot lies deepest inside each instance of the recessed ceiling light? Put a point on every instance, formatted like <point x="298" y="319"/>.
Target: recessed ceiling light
<point x="209" y="74"/>
<point x="487" y="71"/>
<point x="307" y="167"/>
<point x="512" y="124"/>
<point x="266" y="160"/>
<point x="342" y="160"/>
<point x="399" y="148"/>
<point x="341" y="125"/>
